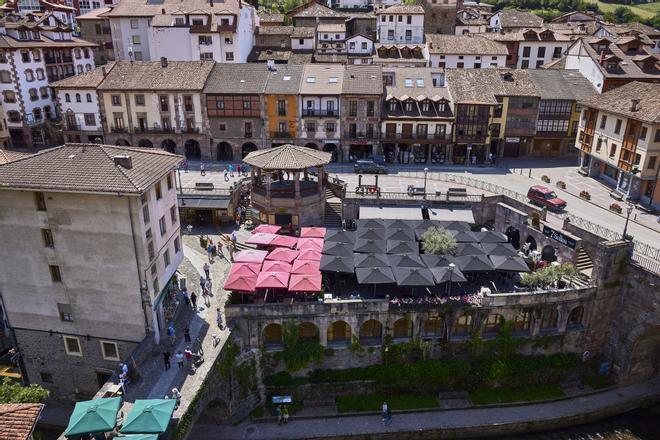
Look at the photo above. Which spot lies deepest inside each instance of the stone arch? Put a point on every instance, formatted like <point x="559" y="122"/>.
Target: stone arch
<point x="492" y="323"/>
<point x="168" y="145"/>
<point x="644" y="358"/>
<point x="248" y="148"/>
<point x="462" y="325"/>
<point x="402" y="328"/>
<point x="334" y="150"/>
<point x="550" y="319"/>
<point x="311" y="145"/>
<point x="371" y="332"/>
<point x="308" y="330"/>
<point x="193" y="150"/>
<point x="548" y="254"/>
<point x="273" y="335"/>
<point x="224" y="152"/>
<point x="532" y="243"/>
<point x="339" y="333"/>
<point x="513" y="235"/>
<point x="432" y="327"/>
<point x="122" y="143"/>
<point x="145" y="143"/>
<point x="575" y="317"/>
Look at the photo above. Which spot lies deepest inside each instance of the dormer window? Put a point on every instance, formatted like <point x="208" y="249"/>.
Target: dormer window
<point x="392" y="106"/>
<point x="179" y="21"/>
<point x="409" y="106"/>
<point x="197" y="22"/>
<point x="441" y="107"/>
<point x="22" y="35"/>
<point x="612" y="65"/>
<point x="425" y="106"/>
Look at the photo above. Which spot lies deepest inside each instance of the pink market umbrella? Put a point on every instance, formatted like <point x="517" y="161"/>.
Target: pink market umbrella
<point x="261" y="238"/>
<point x="309" y="254"/>
<point x="241" y="283"/>
<point x="310" y="243"/>
<point x="250" y="256"/>
<point x="305" y="283"/>
<point x="284" y="241"/>
<point x="269" y="229"/>
<point x="246" y="269"/>
<point x="273" y="280"/>
<point x="283" y="254"/>
<point x="312" y="232"/>
<point x="306" y="267"/>
<point x="276" y="266"/>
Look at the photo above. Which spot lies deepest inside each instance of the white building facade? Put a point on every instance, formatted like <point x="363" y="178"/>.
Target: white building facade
<point x="401" y="24"/>
<point x="536" y="48"/>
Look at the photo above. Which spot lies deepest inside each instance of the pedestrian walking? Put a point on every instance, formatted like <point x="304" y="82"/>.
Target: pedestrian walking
<point x="207" y="269"/>
<point x="185" y="166"/>
<point x="278" y="413"/>
<point x="218" y="318"/>
<point x="202" y="171"/>
<point x="209" y="285"/>
<point x="232" y="248"/>
<point x="176" y="395"/>
<point x="205" y="295"/>
<point x="166" y="358"/>
<point x="179" y="359"/>
<point x="383" y="411"/>
<point x="193" y="301"/>
<point x="186" y="335"/>
<point x="209" y="250"/>
<point x="219" y="250"/>
<point x="226" y="175"/>
<point x="184" y="293"/>
<point x="171" y="333"/>
<point x="188" y="355"/>
<point x="238" y="220"/>
<point x="238" y="170"/>
<point x="233" y="237"/>
<point x="231" y="170"/>
<point x="202" y="282"/>
<point x="285" y="415"/>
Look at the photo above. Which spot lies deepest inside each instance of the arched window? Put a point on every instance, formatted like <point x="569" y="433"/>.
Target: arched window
<point x="78" y="97"/>
<point x="493" y="323"/>
<point x="79" y="68"/>
<point x="308" y="330"/>
<point x="88" y="67"/>
<point x="522" y="322"/>
<point x="77" y="52"/>
<point x="339" y="333"/>
<point x="34" y="95"/>
<point x="371" y="332"/>
<point x="549" y="319"/>
<point x="432" y="327"/>
<point x="67" y="97"/>
<point x="462" y="326"/>
<point x="575" y="317"/>
<point x="40" y="74"/>
<point x="273" y="334"/>
<point x="29" y="75"/>
<point x="402" y="328"/>
<point x="89" y="97"/>
<point x="86" y="53"/>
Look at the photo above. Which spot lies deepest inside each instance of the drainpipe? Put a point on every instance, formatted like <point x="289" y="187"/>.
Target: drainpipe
<point x="146" y="304"/>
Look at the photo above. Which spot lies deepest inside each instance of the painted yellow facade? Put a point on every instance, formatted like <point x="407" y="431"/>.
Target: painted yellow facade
<point x="278" y="114"/>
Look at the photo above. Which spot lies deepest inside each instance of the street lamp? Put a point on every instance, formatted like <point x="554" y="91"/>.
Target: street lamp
<point x="451" y="272"/>
<point x="629" y="210"/>
<point x="426" y="170"/>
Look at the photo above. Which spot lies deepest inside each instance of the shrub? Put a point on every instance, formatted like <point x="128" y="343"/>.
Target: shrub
<point x="545" y="178"/>
<point x="298" y="353"/>
<point x="438" y="241"/>
<point x="561" y="184"/>
<point x="616" y="208"/>
<point x="11" y="391"/>
<point x="548" y="276"/>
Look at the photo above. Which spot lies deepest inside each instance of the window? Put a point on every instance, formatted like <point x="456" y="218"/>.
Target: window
<point x="47" y="235"/>
<point x="173" y="216"/>
<point x="162" y="225"/>
<point x="65" y="311"/>
<point x="460" y="65"/>
<point x="599" y="144"/>
<point x="166" y="258"/>
<point x="281" y="107"/>
<point x="652" y="161"/>
<point x="524" y="64"/>
<point x="539" y="63"/>
<point x="67" y="97"/>
<point x="541" y="52"/>
<point x="150" y="249"/>
<point x="409" y="106"/>
<point x="408" y="35"/>
<point x="352" y="108"/>
<point x="370" y="108"/>
<point x="55" y="274"/>
<point x="248" y="129"/>
<point x="137" y="55"/>
<point x="656" y="138"/>
<point x="88" y="97"/>
<point x="330" y="127"/>
<point x="164" y="103"/>
<point x="526" y="51"/>
<point x="80" y="68"/>
<point x="549" y="320"/>
<point x="612" y="150"/>
<point x="617" y="127"/>
<point x="177" y="245"/>
<point x="116" y="100"/>
<point x="139" y="100"/>
<point x="557" y="52"/>
<point x="310" y="126"/>
<point x="522" y="322"/>
<point x="40" y="201"/>
<point x="159" y="194"/>
<point x="493" y="323"/>
<point x="40" y="74"/>
<point x="603" y="121"/>
<point x="409" y="19"/>
<point x="206" y="56"/>
<point x="462" y="326"/>
<point x="135" y="38"/>
<point x="9" y="96"/>
<point x="36" y="55"/>
<point x="642" y="133"/>
<point x="575" y="317"/>
<point x="109" y="350"/>
<point x="134" y="23"/>
<point x="220" y="105"/>
<point x="145" y="213"/>
<point x="247" y="105"/>
<point x="229" y="40"/>
<point x="29" y="75"/>
<point x="5" y="76"/>
<point x="188" y="103"/>
<point x="72" y="346"/>
<point x="34" y="95"/>
<point x="78" y="97"/>
<point x="25" y="56"/>
<point x="229" y="56"/>
<point x="390" y="34"/>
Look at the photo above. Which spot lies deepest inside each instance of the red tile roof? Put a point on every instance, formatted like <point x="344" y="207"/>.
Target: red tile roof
<point x="17" y="420"/>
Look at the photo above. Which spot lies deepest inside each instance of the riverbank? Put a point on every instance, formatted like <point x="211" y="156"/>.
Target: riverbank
<point x="458" y="423"/>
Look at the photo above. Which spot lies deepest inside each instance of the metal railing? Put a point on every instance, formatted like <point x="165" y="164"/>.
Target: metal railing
<point x="430" y="196"/>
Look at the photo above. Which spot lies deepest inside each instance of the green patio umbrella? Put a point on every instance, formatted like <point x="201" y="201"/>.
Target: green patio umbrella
<point x="149" y="416"/>
<point x="139" y="437"/>
<point x="93" y="416"/>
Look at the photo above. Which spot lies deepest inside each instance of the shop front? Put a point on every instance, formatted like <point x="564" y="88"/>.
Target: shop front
<point x="361" y="150"/>
<point x="420" y="153"/>
<point x="439" y="153"/>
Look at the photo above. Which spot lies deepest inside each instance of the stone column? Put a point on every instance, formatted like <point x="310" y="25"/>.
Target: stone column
<point x="268" y="178"/>
<point x="320" y="177"/>
<point x="296" y="185"/>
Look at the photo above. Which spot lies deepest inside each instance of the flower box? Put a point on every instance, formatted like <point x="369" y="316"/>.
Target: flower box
<point x="561" y="184"/>
<point x="616" y="208"/>
<point x="585" y="195"/>
<point x="545" y="178"/>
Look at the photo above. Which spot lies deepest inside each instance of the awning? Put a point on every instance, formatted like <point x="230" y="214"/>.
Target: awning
<point x="193" y="203"/>
<point x="461" y="215"/>
<point x="93" y="416"/>
<point x="391" y="212"/>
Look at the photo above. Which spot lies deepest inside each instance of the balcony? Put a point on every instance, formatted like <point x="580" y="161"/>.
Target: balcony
<point x="227" y="28"/>
<point x="201" y="28"/>
<point x="191" y="130"/>
<point x="154" y="130"/>
<point x="114" y="129"/>
<point x="73" y="127"/>
<point x="281" y="135"/>
<point x="362" y="136"/>
<point x="314" y="113"/>
<point x="416" y="137"/>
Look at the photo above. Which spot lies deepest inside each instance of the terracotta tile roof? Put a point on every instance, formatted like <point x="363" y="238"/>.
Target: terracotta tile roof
<point x="414" y="87"/>
<point x="271" y="18"/>
<point x="300" y="58"/>
<point x="150" y="75"/>
<point x="330" y="58"/>
<point x="7" y="156"/>
<point x="322" y="79"/>
<point x="287" y="157"/>
<point x="562" y="84"/>
<point x="149" y="8"/>
<point x="10" y="42"/>
<point x="275" y="30"/>
<point x="315" y="10"/>
<point x="95" y="14"/>
<point x="245" y="78"/>
<point x="627" y="68"/>
<point x="402" y="9"/>
<point x="284" y="80"/>
<point x="484" y="85"/>
<point x="559" y="64"/>
<point x="363" y="80"/>
<point x="331" y="27"/>
<point x="463" y="45"/>
<point x="91" y="79"/>
<point x="262" y="55"/>
<point x="619" y="101"/>
<point x="17" y="420"/>
<point x="512" y="18"/>
<point x="88" y="168"/>
<point x="303" y="32"/>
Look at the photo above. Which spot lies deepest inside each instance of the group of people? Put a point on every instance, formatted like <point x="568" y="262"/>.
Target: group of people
<point x="217" y="249"/>
<point x="282" y="413"/>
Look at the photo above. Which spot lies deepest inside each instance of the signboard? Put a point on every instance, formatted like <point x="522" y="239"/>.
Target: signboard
<point x="513" y="140"/>
<point x="560" y="237"/>
<point x="282" y="399"/>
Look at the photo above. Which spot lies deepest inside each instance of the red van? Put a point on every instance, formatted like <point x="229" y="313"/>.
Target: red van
<point x="546" y="197"/>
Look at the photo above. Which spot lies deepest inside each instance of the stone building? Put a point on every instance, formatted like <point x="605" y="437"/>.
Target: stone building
<point x="440" y="16"/>
<point x="93" y="231"/>
<point x="401" y="24"/>
<point x="95" y="27"/>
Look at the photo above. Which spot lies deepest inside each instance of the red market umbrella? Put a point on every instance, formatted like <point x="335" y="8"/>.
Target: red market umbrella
<point x="306" y="267"/>
<point x="309" y="254"/>
<point x="313" y="243"/>
<point x="284" y="241"/>
<point x="241" y="283"/>
<point x="250" y="256"/>
<point x="312" y="232"/>
<point x="283" y="254"/>
<point x="261" y="238"/>
<point x="273" y="280"/>
<point x="305" y="283"/>
<point x="276" y="266"/>
<point x="270" y="229"/>
<point x="246" y="269"/>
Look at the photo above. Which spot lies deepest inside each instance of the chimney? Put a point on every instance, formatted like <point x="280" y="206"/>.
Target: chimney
<point x="634" y="105"/>
<point x="123" y="160"/>
<point x="601" y="60"/>
<point x="163" y="62"/>
<point x="104" y="72"/>
<point x="162" y="11"/>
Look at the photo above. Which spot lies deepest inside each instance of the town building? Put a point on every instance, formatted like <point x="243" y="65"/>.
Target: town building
<point x="313" y="13"/>
<point x="532" y="48"/>
<point x="19" y="420"/>
<point x="401" y="24"/>
<point x="62" y="10"/>
<point x="103" y="226"/>
<point x="331" y="39"/>
<point x="78" y="104"/>
<point x="619" y="140"/>
<point x="464" y="52"/>
<point x="511" y="20"/>
<point x="280" y="97"/>
<point x="440" y="16"/>
<point x="608" y="63"/>
<point x="95" y="27"/>
<point x="273" y="37"/>
<point x="270" y="19"/>
<point x="359" y="49"/>
<point x="320" y="92"/>
<point x="156" y="104"/>
<point x="235" y="113"/>
<point x="559" y="110"/>
<point x="37" y="49"/>
<point x="470" y="21"/>
<point x="417" y="117"/>
<point x="575" y="24"/>
<point x="400" y="55"/>
<point x="143" y="30"/>
<point x="303" y="39"/>
<point x="5" y="140"/>
<point x="646" y="34"/>
<point x="362" y="90"/>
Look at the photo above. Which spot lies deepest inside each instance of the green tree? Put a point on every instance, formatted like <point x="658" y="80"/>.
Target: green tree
<point x="655" y="21"/>
<point x="299" y="352"/>
<point x="11" y="391"/>
<point x="438" y="241"/>
<point x="621" y="15"/>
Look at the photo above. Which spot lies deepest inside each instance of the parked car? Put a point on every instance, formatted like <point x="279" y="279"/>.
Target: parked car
<point x="545" y="197"/>
<point x="369" y="166"/>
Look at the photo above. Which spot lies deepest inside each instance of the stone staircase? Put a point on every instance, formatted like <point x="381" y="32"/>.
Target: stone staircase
<point x="332" y="210"/>
<point x="584" y="262"/>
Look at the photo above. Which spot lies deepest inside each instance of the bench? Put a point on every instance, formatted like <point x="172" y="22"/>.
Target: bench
<point x="204" y="186"/>
<point x="456" y="192"/>
<point x="415" y="190"/>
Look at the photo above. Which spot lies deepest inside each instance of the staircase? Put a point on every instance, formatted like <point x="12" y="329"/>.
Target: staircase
<point x="332" y="210"/>
<point x="584" y="262"/>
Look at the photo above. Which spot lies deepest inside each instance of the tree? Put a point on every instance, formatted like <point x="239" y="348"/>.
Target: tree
<point x="11" y="391"/>
<point x="621" y="15"/>
<point x="548" y="276"/>
<point x="438" y="241"/>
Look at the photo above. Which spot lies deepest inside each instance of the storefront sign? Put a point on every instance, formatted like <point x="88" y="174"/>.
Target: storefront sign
<point x="513" y="140"/>
<point x="558" y="236"/>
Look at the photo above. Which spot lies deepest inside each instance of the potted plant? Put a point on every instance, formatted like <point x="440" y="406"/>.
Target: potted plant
<point x="203" y="240"/>
<point x="585" y="195"/>
<point x="561" y="184"/>
<point x="545" y="178"/>
<point x="616" y="208"/>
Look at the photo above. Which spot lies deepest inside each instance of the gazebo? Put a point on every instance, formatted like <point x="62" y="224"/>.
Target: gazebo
<point x="288" y="185"/>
